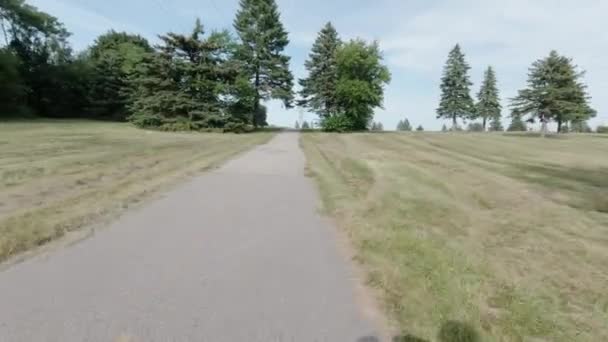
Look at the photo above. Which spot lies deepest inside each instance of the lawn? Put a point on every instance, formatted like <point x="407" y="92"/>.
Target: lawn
<point x="59" y="176"/>
<point x="505" y="234"/>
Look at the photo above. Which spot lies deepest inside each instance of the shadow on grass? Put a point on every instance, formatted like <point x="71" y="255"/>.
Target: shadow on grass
<point x="450" y="331"/>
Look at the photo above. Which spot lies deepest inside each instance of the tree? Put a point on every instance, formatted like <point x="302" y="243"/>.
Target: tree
<point x="496" y="125"/>
<point x="419" y="128"/>
<point x="297" y="125"/>
<point x="602" y="129"/>
<point x="580" y="126"/>
<point x="114" y="57"/>
<point x="12" y="88"/>
<point x="305" y="125"/>
<point x="319" y="90"/>
<point x="517" y="124"/>
<point x="488" y="105"/>
<point x="456" y="101"/>
<point x="554" y="92"/>
<point x="404" y="125"/>
<point x="262" y="41"/>
<point x="186" y="84"/>
<point x="361" y="81"/>
<point x="475" y="127"/>
<point x="377" y="126"/>
<point x="444" y="128"/>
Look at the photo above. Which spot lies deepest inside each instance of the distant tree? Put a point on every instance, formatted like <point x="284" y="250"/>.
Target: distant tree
<point x="262" y="42"/>
<point x="404" y="125"/>
<point x="517" y="124"/>
<point x="444" y="128"/>
<point x="377" y="126"/>
<point x="456" y="101"/>
<point x="554" y="92"/>
<point x="305" y="125"/>
<point x="580" y="126"/>
<point x="496" y="125"/>
<point x="319" y="88"/>
<point x="488" y="102"/>
<point x="361" y="81"/>
<point x="475" y="127"/>
<point x="602" y="129"/>
<point x="297" y="125"/>
<point x="372" y="126"/>
<point x="420" y="128"/>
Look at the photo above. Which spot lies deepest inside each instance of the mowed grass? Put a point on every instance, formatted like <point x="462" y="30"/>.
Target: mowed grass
<point x="505" y="234"/>
<point x="58" y="176"/>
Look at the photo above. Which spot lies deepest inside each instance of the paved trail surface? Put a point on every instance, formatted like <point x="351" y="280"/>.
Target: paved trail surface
<point x="237" y="254"/>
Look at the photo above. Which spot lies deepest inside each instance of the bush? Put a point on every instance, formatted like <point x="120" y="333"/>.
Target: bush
<point x="475" y="127"/>
<point x="336" y="123"/>
<point x="238" y="127"/>
<point x="602" y="129"/>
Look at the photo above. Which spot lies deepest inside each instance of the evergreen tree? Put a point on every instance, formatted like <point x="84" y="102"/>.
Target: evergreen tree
<point x="488" y="105"/>
<point x="361" y="81"/>
<point x="319" y="89"/>
<point x="305" y="125"/>
<point x="554" y="92"/>
<point x="262" y="41"/>
<point x="297" y="125"/>
<point x="517" y="124"/>
<point x="580" y="126"/>
<point x="404" y="125"/>
<point x="444" y="128"/>
<point x="186" y="84"/>
<point x="419" y="128"/>
<point x="496" y="125"/>
<point x="456" y="101"/>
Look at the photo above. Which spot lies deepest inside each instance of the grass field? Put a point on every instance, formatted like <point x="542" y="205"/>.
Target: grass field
<point x="505" y="234"/>
<point x="58" y="176"/>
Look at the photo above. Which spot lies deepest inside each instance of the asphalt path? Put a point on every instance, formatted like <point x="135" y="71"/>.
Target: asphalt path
<point x="239" y="253"/>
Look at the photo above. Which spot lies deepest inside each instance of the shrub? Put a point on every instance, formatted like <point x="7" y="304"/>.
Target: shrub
<point x="602" y="129"/>
<point x="336" y="123"/>
<point x="475" y="127"/>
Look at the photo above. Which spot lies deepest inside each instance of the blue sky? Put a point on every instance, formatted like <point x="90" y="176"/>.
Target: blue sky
<point x="415" y="37"/>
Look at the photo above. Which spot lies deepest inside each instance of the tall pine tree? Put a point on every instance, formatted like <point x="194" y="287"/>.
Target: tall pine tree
<point x="456" y="101"/>
<point x="488" y="106"/>
<point x="554" y="92"/>
<point x="262" y="41"/>
<point x="319" y="89"/>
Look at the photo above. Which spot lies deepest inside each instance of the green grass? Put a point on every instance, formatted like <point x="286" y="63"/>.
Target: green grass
<point x="58" y="176"/>
<point x="505" y="234"/>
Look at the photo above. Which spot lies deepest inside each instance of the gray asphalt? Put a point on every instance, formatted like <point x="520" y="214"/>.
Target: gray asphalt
<point x="237" y="254"/>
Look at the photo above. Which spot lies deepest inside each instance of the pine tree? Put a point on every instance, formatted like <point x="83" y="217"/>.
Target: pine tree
<point x="419" y="128"/>
<point x="319" y="89"/>
<point x="404" y="125"/>
<point x="297" y="125"/>
<point x="496" y="125"/>
<point x="517" y="124"/>
<point x="305" y="125"/>
<point x="400" y="125"/>
<point x="184" y="85"/>
<point x="554" y="92"/>
<point x="262" y="41"/>
<point x="488" y="106"/>
<point x="456" y="101"/>
<point x="444" y="128"/>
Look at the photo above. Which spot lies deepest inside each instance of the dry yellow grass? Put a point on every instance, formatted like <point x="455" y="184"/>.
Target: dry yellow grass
<point x="507" y="234"/>
<point x="57" y="176"/>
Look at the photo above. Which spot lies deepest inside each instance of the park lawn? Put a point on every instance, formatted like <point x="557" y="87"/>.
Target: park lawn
<point x="58" y="176"/>
<point x="505" y="234"/>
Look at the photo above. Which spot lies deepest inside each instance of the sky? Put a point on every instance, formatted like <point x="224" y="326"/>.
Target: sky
<point x="415" y="37"/>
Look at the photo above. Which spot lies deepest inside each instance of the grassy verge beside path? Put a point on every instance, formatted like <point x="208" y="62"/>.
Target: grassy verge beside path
<point x="504" y="234"/>
<point x="58" y="176"/>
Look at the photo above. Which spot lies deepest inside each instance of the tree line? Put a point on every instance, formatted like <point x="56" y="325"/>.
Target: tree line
<point x="195" y="81"/>
<point x="554" y="92"/>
